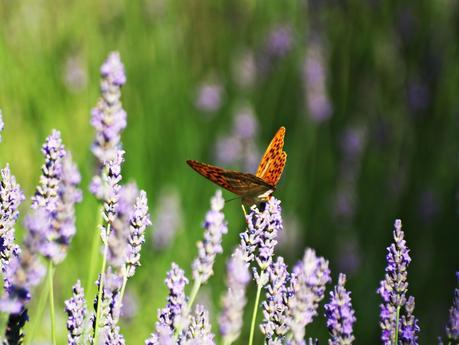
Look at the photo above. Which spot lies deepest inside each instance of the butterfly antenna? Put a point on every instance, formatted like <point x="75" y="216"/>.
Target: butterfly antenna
<point x="228" y="200"/>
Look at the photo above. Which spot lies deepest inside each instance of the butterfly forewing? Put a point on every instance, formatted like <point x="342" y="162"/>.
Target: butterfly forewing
<point x="273" y="161"/>
<point x="236" y="182"/>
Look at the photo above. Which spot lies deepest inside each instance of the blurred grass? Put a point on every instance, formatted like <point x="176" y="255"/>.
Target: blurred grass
<point x="376" y="51"/>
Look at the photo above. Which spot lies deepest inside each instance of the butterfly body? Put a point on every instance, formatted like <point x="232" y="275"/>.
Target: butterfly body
<point x="252" y="188"/>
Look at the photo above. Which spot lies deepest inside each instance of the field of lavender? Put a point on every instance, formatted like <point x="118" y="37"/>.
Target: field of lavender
<point x="107" y="236"/>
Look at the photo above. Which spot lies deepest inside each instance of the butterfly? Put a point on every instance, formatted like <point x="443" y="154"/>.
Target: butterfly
<point x="252" y="188"/>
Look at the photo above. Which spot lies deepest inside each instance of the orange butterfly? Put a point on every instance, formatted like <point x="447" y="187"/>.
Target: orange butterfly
<point x="251" y="188"/>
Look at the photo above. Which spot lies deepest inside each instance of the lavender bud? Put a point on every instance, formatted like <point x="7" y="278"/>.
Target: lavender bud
<point x="307" y="289"/>
<point x="138" y="222"/>
<point x="275" y="308"/>
<point x="233" y="302"/>
<point x="46" y="194"/>
<point x="340" y="315"/>
<point x="209" y="97"/>
<point x="75" y="308"/>
<point x="452" y="328"/>
<point x="2" y="124"/>
<point x="11" y="197"/>
<point x="109" y="117"/>
<point x="409" y="327"/>
<point x="172" y="314"/>
<point x="394" y="287"/>
<point x="168" y="219"/>
<point x="214" y="228"/>
<point x="199" y="331"/>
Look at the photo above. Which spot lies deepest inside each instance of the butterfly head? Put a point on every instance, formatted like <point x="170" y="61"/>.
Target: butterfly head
<point x="249" y="201"/>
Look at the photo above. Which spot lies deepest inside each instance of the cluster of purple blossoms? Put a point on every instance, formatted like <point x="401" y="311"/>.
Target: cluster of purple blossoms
<point x="172" y="316"/>
<point x="138" y="222"/>
<point x="260" y="237"/>
<point x="340" y="315"/>
<point x="393" y="291"/>
<point x="75" y="307"/>
<point x="168" y="219"/>
<point x="239" y="146"/>
<point x="315" y="80"/>
<point x="109" y="117"/>
<point x="199" y="330"/>
<point x="214" y="228"/>
<point x="452" y="328"/>
<point x="209" y="98"/>
<point x="307" y="289"/>
<point x="275" y="308"/>
<point x="233" y="302"/>
<point x="51" y="225"/>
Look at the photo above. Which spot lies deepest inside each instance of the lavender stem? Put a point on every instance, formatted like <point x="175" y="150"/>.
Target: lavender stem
<point x="101" y="289"/>
<point x="51" y="300"/>
<point x="94" y="254"/>
<point x="254" y="314"/>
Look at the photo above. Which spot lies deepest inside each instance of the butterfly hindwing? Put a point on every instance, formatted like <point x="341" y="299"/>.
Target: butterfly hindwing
<point x="273" y="161"/>
<point x="234" y="181"/>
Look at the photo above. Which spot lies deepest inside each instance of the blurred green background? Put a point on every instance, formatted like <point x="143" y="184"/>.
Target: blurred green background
<point x="368" y="91"/>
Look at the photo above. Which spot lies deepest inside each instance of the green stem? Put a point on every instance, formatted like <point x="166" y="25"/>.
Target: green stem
<point x="123" y="288"/>
<point x="397" y="317"/>
<point x="51" y="301"/>
<point x="254" y="314"/>
<point x="38" y="312"/>
<point x="94" y="255"/>
<point x="101" y="288"/>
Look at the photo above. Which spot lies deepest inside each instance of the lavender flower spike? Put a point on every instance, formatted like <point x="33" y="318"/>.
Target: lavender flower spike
<point x="109" y="117"/>
<point x="234" y="300"/>
<point x="199" y="331"/>
<point x="452" y="329"/>
<point x="340" y="315"/>
<point x="393" y="291"/>
<point x="307" y="289"/>
<point x="11" y="197"/>
<point x="214" y="228"/>
<point x="172" y="315"/>
<point x="139" y="221"/>
<point x="275" y="308"/>
<point x="112" y="178"/>
<point x="46" y="194"/>
<point x="75" y="307"/>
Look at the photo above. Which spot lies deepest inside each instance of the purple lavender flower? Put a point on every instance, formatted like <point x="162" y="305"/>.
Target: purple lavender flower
<point x="172" y="315"/>
<point x="163" y="336"/>
<point x="315" y="80"/>
<point x="280" y="41"/>
<point x="168" y="219"/>
<point x="409" y="327"/>
<point x="130" y="306"/>
<point x="260" y="237"/>
<point x="214" y="228"/>
<point x="111" y="177"/>
<point x="452" y="328"/>
<point x="138" y="222"/>
<point x="393" y="291"/>
<point x="209" y="97"/>
<point x="75" y="307"/>
<point x="46" y="194"/>
<point x="233" y="302"/>
<point x="269" y="224"/>
<point x="275" y="308"/>
<point x="307" y="289"/>
<point x="340" y="315"/>
<point x="11" y="197"/>
<point x="110" y="334"/>
<point x="199" y="331"/>
<point x="109" y="117"/>
<point x="244" y="69"/>
<point x="75" y="77"/>
<point x="119" y="234"/>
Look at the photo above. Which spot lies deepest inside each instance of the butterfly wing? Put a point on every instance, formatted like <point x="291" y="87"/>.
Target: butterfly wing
<point x="273" y="162"/>
<point x="236" y="182"/>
